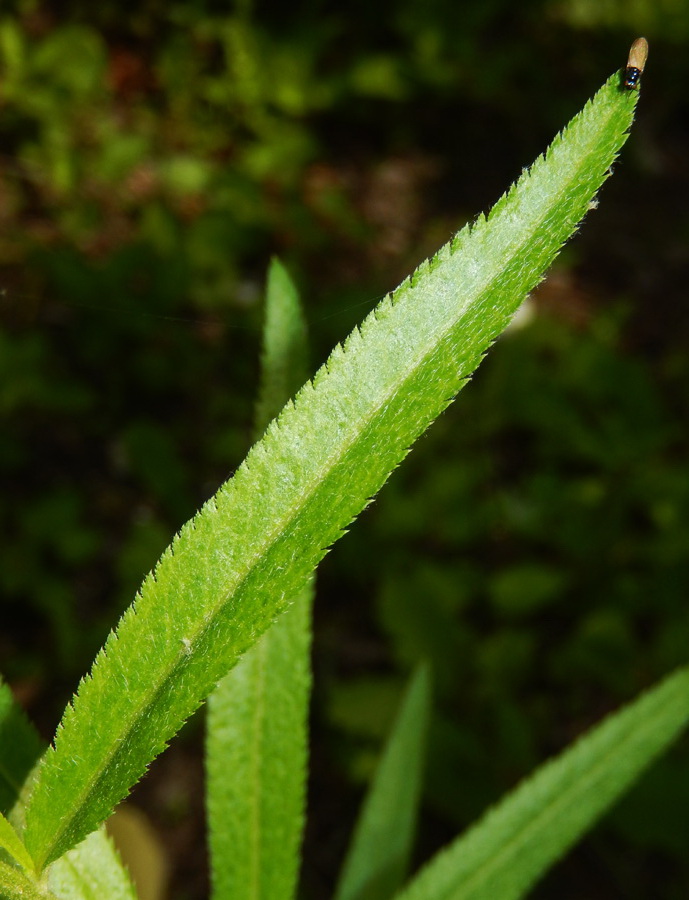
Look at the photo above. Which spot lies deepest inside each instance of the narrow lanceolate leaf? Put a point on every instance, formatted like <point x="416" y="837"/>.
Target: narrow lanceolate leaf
<point x="508" y="850"/>
<point x="20" y="748"/>
<point x="9" y="841"/>
<point x="256" y="764"/>
<point x="257" y="716"/>
<point x="378" y="856"/>
<point x="92" y="871"/>
<point x="284" y="355"/>
<point x="240" y="562"/>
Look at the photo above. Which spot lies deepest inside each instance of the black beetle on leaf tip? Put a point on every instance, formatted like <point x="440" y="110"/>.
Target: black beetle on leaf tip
<point x="638" y="54"/>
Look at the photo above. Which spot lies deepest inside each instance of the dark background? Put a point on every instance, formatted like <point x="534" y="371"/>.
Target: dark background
<point x="536" y="543"/>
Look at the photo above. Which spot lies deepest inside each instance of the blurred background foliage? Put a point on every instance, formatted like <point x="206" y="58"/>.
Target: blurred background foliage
<point x="536" y="543"/>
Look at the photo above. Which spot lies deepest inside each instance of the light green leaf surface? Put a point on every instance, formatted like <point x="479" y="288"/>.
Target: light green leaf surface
<point x="378" y="857"/>
<point x="257" y="716"/>
<point x="241" y="561"/>
<point x="20" y="748"/>
<point x="91" y="871"/>
<point x="10" y="841"/>
<point x="507" y="851"/>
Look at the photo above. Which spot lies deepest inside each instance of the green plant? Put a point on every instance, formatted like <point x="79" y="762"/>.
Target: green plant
<point x="226" y="611"/>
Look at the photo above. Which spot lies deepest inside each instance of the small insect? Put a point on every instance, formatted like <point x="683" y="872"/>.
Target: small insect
<point x="638" y="54"/>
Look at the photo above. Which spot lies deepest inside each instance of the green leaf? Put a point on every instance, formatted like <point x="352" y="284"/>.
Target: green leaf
<point x="92" y="871"/>
<point x="506" y="852"/>
<point x="378" y="857"/>
<point x="10" y="841"/>
<point x="284" y="356"/>
<point x="257" y="716"/>
<point x="20" y="748"/>
<point x="241" y="561"/>
<point x="257" y="720"/>
<point x="16" y="885"/>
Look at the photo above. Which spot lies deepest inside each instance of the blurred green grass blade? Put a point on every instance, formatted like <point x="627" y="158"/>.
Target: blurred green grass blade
<point x="10" y="841"/>
<point x="91" y="870"/>
<point x="285" y="350"/>
<point x="245" y="556"/>
<point x="378" y="856"/>
<point x="258" y="715"/>
<point x="506" y="852"/>
<point x="20" y="748"/>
